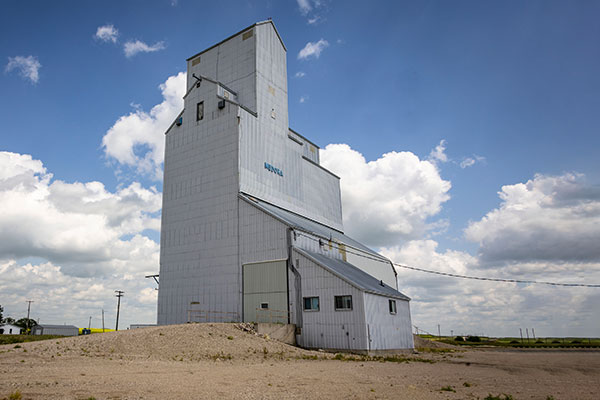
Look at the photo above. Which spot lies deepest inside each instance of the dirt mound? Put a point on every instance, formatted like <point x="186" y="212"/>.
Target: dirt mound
<point x="421" y="343"/>
<point x="189" y="342"/>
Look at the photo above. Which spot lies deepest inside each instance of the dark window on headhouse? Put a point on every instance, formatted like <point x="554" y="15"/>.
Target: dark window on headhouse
<point x="264" y="306"/>
<point x="311" y="304"/>
<point x="392" y="306"/>
<point x="200" y="111"/>
<point x="343" y="302"/>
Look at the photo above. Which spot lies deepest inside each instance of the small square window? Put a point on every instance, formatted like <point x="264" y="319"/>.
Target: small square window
<point x="392" y="306"/>
<point x="343" y="302"/>
<point x="311" y="304"/>
<point x="200" y="111"/>
<point x="264" y="306"/>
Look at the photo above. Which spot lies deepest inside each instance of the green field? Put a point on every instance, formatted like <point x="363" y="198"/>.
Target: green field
<point x="546" y="342"/>
<point x="10" y="339"/>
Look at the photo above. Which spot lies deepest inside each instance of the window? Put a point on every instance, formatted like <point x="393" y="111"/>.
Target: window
<point x="392" y="306"/>
<point x="343" y="302"/>
<point x="311" y="304"/>
<point x="200" y="111"/>
<point x="264" y="306"/>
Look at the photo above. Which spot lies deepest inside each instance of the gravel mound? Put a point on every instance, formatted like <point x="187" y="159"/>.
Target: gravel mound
<point x="421" y="343"/>
<point x="188" y="342"/>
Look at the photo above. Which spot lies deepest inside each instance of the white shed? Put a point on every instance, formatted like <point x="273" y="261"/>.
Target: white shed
<point x="9" y="329"/>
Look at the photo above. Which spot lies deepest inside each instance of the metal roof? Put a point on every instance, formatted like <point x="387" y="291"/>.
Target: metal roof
<point x="353" y="275"/>
<point x="307" y="225"/>
<point x="56" y="326"/>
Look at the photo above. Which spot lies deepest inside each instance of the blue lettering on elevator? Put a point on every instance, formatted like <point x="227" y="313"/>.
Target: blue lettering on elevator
<point x="273" y="169"/>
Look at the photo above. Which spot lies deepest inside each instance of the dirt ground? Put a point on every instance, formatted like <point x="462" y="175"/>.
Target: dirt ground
<point x="207" y="361"/>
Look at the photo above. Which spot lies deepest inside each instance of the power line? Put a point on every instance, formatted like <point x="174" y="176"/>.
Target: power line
<point x="447" y="274"/>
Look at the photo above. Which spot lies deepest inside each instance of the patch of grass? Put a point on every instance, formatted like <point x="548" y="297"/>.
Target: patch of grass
<point x="549" y="397"/>
<point x="12" y="339"/>
<point x="16" y="395"/>
<point x="448" y="389"/>
<point x="499" y="397"/>
<point x="434" y="350"/>
<point x="229" y="337"/>
<point x="466" y="384"/>
<point x="18" y="346"/>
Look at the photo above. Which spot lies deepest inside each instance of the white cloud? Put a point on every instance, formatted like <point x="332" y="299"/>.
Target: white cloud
<point x="131" y="48"/>
<point x="388" y="199"/>
<point x="81" y="225"/>
<point x="304" y="6"/>
<point x="303" y="99"/>
<point x="313" y="49"/>
<point x="137" y="139"/>
<point x="546" y="218"/>
<point x="68" y="246"/>
<point x="470" y="161"/>
<point x="438" y="154"/>
<point x="107" y="33"/>
<point x="314" y="20"/>
<point x="300" y="74"/>
<point x="28" y="67"/>
<point x="480" y="307"/>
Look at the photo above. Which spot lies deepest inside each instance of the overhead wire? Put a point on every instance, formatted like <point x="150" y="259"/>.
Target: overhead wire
<point x="447" y="274"/>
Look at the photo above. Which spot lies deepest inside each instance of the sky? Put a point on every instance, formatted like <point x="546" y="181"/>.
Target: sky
<point x="465" y="134"/>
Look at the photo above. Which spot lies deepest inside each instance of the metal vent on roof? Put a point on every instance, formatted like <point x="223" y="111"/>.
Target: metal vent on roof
<point x="221" y="104"/>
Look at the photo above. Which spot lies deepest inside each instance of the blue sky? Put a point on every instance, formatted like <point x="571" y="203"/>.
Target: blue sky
<point x="510" y="88"/>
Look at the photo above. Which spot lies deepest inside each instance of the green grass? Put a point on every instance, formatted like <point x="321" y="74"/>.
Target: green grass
<point x="448" y="389"/>
<point x="512" y="342"/>
<point x="12" y="339"/>
<point x="499" y="397"/>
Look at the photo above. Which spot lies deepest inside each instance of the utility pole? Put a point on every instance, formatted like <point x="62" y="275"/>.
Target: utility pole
<point x="527" y="332"/>
<point x="439" y="334"/>
<point x="28" y="310"/>
<point x="119" y="294"/>
<point x="90" y="323"/>
<point x="103" y="320"/>
<point x="521" y="332"/>
<point x="533" y="333"/>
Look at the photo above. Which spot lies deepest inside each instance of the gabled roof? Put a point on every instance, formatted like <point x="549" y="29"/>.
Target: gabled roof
<point x="353" y="275"/>
<point x="243" y="30"/>
<point x="56" y="326"/>
<point x="307" y="225"/>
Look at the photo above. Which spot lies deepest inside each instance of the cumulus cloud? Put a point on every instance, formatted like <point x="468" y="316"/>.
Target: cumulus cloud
<point x="79" y="224"/>
<point x="388" y="199"/>
<point x="480" y="307"/>
<point x="438" y="153"/>
<point x="300" y="74"/>
<point x="303" y="99"/>
<point x="547" y="218"/>
<point x="133" y="47"/>
<point x="62" y="298"/>
<point x="137" y="139"/>
<point x="28" y="67"/>
<point x="107" y="33"/>
<point x="313" y="49"/>
<point x="68" y="246"/>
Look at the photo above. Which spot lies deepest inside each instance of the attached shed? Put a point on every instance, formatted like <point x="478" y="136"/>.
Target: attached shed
<point x="58" y="330"/>
<point x="9" y="329"/>
<point x="343" y="307"/>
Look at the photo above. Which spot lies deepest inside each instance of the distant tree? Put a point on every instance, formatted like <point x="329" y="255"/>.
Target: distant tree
<point x="1" y="311"/>
<point x="9" y="320"/>
<point x="26" y="324"/>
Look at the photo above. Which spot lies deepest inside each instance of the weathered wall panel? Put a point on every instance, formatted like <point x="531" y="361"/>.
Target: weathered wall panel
<point x="388" y="331"/>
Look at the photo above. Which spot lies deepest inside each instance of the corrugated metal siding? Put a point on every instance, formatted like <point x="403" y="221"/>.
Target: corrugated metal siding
<point x="329" y="328"/>
<point x="199" y="249"/>
<point x="388" y="331"/>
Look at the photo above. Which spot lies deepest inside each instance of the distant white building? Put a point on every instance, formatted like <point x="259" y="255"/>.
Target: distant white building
<point x="9" y="329"/>
<point x="252" y="223"/>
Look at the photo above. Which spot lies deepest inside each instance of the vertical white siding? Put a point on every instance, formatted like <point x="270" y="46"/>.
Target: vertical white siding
<point x="388" y="331"/>
<point x="328" y="328"/>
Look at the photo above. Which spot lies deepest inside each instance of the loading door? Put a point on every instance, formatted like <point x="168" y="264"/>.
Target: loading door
<point x="265" y="292"/>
